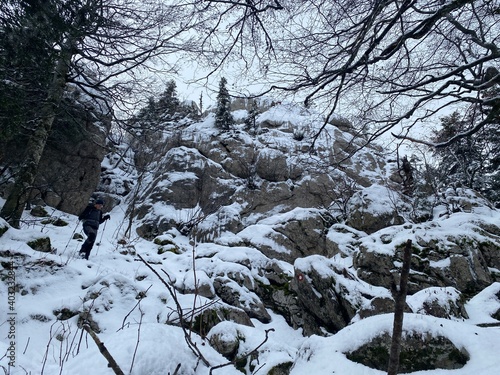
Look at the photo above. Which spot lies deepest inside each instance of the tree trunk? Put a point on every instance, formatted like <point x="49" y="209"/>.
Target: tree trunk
<point x="19" y="196"/>
<point x="397" y="329"/>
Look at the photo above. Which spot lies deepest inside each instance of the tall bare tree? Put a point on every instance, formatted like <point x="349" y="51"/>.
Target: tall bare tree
<point x="97" y="45"/>
<point x="390" y="64"/>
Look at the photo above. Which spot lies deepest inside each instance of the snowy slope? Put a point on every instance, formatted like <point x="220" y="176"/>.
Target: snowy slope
<point x="132" y="328"/>
<point x="135" y="315"/>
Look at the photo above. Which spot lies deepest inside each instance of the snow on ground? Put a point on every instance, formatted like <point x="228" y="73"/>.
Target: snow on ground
<point x="326" y="355"/>
<point x="112" y="283"/>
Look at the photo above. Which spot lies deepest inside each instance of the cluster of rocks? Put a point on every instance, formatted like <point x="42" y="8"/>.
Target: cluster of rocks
<point x="328" y="217"/>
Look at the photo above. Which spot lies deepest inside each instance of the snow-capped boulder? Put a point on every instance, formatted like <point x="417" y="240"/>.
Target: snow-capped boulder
<point x="324" y="287"/>
<point x="441" y="302"/>
<point x="451" y="259"/>
<point x="242" y="298"/>
<point x="299" y="233"/>
<point x="374" y="208"/>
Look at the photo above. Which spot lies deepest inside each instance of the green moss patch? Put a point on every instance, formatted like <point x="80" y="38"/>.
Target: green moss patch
<point x="41" y="244"/>
<point x="418" y="353"/>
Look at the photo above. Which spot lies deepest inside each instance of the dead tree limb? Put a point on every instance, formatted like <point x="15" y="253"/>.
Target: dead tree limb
<point x="111" y="361"/>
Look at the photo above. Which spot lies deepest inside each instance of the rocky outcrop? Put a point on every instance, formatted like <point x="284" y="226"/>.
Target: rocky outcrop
<point x="459" y="264"/>
<point x="241" y="178"/>
<point x="338" y="221"/>
<point x="374" y="208"/>
<point x="292" y="236"/>
<point x="326" y="296"/>
<point x="70" y="166"/>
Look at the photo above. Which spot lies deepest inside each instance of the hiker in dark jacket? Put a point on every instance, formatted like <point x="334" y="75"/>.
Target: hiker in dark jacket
<point x="92" y="217"/>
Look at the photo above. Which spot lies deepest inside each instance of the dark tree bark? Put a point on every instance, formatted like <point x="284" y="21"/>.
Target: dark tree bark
<point x="95" y="45"/>
<point x="104" y="351"/>
<point x="18" y="197"/>
<point x="400" y="296"/>
<point x="387" y="63"/>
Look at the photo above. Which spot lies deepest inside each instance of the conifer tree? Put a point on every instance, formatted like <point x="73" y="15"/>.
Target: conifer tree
<point x="169" y="103"/>
<point x="472" y="161"/>
<point x="201" y="103"/>
<point x="250" y="122"/>
<point x="223" y="117"/>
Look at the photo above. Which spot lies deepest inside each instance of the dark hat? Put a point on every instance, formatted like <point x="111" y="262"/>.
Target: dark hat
<point x="99" y="201"/>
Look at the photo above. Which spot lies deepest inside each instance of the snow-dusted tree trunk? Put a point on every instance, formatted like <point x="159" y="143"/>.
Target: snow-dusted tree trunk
<point x="42" y="126"/>
<point x="397" y="329"/>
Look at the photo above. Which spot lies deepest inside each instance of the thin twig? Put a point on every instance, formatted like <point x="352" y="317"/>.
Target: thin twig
<point x="138" y="340"/>
<point x="194" y="348"/>
<point x="245" y="356"/>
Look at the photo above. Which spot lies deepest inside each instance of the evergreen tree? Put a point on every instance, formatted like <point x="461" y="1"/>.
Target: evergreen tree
<point x="250" y="122"/>
<point x="223" y="117"/>
<point x="462" y="160"/>
<point x="168" y="104"/>
<point x="492" y="177"/>
<point x="471" y="161"/>
<point x="200" y="101"/>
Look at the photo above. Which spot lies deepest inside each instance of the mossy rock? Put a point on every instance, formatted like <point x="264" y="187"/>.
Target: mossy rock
<point x="169" y="248"/>
<point x="418" y="353"/>
<point x="65" y="313"/>
<point x="281" y="369"/>
<point x="163" y="241"/>
<point x="210" y="317"/>
<point x="41" y="244"/>
<point x="77" y="236"/>
<point x="55" y="221"/>
<point x="39" y="211"/>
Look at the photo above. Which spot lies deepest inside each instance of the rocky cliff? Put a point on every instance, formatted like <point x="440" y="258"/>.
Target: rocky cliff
<point x="70" y="166"/>
<point x="330" y="226"/>
<point x="251" y="251"/>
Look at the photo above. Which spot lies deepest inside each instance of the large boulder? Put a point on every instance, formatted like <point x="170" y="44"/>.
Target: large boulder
<point x="300" y="233"/>
<point x="330" y="295"/>
<point x="459" y="264"/>
<point x="419" y="352"/>
<point x="374" y="208"/>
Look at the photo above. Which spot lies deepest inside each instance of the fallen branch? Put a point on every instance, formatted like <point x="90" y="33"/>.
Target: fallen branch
<point x="111" y="361"/>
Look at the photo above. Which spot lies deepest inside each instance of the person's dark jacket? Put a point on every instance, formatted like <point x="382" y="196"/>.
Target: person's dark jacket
<point x="92" y="217"/>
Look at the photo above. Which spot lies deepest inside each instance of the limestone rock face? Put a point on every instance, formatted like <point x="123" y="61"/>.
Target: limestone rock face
<point x="326" y="299"/>
<point x="374" y="208"/>
<point x="70" y="167"/>
<point x="238" y="180"/>
<point x="328" y="229"/>
<point x="293" y="237"/>
<point x="461" y="264"/>
<point x="230" y="295"/>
